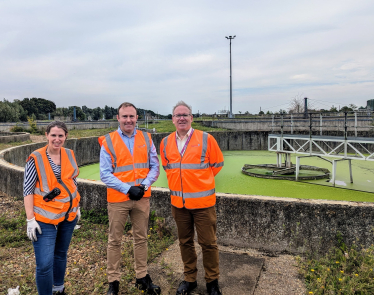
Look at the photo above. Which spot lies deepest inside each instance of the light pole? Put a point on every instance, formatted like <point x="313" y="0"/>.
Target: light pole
<point x="230" y="38"/>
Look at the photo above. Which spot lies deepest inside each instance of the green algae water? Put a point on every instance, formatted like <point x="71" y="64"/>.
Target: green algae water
<point x="232" y="180"/>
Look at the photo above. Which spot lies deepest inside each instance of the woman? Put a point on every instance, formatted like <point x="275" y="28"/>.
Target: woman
<point x="52" y="207"/>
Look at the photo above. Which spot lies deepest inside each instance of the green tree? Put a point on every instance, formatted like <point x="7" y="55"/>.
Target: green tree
<point x="40" y="107"/>
<point x="97" y="113"/>
<point x="87" y="111"/>
<point x="78" y="112"/>
<point x="20" y="110"/>
<point x="10" y="111"/>
<point x="333" y="109"/>
<point x="353" y="106"/>
<point x="346" y="109"/>
<point x="44" y="106"/>
<point x="29" y="106"/>
<point x="108" y="113"/>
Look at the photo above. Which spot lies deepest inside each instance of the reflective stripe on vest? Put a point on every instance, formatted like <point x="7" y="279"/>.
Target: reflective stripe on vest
<point x="187" y="166"/>
<point x="217" y="165"/>
<point x="51" y="215"/>
<point x="193" y="195"/>
<point x="164" y="151"/>
<point x="43" y="174"/>
<point x="72" y="162"/>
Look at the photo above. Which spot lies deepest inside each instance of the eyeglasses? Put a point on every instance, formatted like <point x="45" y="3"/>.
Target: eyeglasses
<point x="178" y="116"/>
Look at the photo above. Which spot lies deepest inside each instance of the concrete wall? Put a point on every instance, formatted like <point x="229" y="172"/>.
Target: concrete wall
<point x="6" y="137"/>
<point x="266" y="223"/>
<point x="239" y="140"/>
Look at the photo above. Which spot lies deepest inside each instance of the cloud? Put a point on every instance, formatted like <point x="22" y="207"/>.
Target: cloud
<point x="99" y="53"/>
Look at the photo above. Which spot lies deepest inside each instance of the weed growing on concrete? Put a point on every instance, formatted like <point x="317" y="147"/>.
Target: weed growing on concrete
<point x="344" y="270"/>
<point x="98" y="216"/>
<point x="18" y="128"/>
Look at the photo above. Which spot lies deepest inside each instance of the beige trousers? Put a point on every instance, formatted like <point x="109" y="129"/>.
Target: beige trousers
<point x="118" y="214"/>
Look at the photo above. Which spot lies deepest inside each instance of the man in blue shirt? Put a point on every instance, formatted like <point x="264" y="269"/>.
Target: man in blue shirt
<point x="129" y="165"/>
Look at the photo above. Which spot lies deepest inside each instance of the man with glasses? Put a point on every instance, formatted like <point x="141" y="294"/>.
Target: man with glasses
<point x="191" y="159"/>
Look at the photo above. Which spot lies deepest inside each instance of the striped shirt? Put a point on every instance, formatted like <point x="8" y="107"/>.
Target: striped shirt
<point x="31" y="175"/>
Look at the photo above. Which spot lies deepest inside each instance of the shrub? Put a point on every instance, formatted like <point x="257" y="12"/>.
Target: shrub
<point x="18" y="129"/>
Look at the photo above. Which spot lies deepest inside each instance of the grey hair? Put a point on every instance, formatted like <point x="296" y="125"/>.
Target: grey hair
<point x="182" y="103"/>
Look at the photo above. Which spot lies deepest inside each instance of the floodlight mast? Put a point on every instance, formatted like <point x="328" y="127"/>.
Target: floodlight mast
<point x="230" y="38"/>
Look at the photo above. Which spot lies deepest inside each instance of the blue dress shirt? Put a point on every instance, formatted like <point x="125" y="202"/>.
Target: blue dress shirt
<point x="106" y="167"/>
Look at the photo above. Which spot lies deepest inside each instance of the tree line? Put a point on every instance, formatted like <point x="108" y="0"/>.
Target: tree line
<point x="43" y="109"/>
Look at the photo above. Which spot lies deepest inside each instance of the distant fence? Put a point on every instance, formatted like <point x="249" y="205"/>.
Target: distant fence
<point x="290" y="123"/>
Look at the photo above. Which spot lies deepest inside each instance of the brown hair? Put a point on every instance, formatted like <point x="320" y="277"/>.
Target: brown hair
<point x="182" y="103"/>
<point x="125" y="105"/>
<point x="58" y="124"/>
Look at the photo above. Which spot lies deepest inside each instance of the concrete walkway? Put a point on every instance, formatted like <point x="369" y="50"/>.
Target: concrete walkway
<point x="243" y="272"/>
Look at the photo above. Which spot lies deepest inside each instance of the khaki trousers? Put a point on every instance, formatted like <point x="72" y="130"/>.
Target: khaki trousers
<point x="205" y="221"/>
<point x="118" y="213"/>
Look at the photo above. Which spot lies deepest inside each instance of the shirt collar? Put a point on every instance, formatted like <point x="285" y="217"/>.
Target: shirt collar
<point x="123" y="134"/>
<point x="187" y="135"/>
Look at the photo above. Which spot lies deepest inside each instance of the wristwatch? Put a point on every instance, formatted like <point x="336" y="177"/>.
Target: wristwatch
<point x="145" y="187"/>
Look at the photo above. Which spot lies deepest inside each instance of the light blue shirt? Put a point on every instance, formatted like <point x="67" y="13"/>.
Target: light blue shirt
<point x="106" y="167"/>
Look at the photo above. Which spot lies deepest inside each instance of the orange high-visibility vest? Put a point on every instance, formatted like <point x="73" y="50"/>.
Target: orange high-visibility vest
<point x="100" y="140"/>
<point x="64" y="206"/>
<point x="191" y="176"/>
<point x="131" y="169"/>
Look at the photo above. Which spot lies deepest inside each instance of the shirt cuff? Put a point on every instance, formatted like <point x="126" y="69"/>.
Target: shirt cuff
<point x="125" y="188"/>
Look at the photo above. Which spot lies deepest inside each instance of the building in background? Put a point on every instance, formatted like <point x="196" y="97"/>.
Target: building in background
<point x="370" y="105"/>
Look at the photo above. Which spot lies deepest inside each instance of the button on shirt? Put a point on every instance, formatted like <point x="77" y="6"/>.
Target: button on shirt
<point x="182" y="142"/>
<point x="106" y="167"/>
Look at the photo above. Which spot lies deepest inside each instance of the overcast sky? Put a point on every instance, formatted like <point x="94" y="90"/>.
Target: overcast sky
<point x="154" y="53"/>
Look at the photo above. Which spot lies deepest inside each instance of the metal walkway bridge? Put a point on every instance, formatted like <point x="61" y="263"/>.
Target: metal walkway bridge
<point x="339" y="148"/>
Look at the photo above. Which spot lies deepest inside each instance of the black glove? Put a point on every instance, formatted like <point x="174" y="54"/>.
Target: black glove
<point x="136" y="193"/>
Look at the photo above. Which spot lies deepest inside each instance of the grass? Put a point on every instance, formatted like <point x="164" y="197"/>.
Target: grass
<point x="86" y="265"/>
<point x="77" y="133"/>
<point x="344" y="270"/>
<point x="4" y="146"/>
<point x="168" y="126"/>
<point x="161" y="126"/>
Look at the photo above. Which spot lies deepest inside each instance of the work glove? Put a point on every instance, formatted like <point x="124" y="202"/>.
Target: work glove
<point x="79" y="214"/>
<point x="136" y="193"/>
<point x="32" y="226"/>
